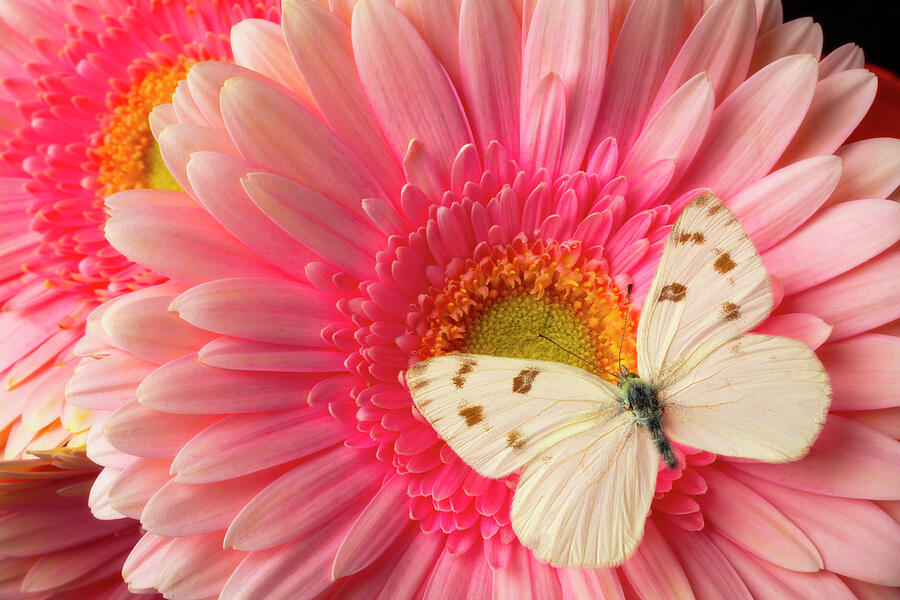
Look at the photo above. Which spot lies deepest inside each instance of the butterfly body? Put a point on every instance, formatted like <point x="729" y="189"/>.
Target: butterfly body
<point x="588" y="450"/>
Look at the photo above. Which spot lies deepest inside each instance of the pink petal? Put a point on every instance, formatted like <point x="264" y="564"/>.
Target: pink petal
<point x="332" y="483"/>
<point x="265" y="310"/>
<point x="418" y="562"/>
<point x="864" y="372"/>
<point x="848" y="460"/>
<point x="413" y="80"/>
<point x="183" y="243"/>
<point x="195" y="567"/>
<point x="490" y="56"/>
<point x="752" y="127"/>
<point x="187" y="386"/>
<point x="244" y="355"/>
<point x="437" y="23"/>
<point x="871" y="170"/>
<point x="844" y="58"/>
<point x="809" y="329"/>
<point x="136" y="484"/>
<point x="29" y="533"/>
<point x="177" y="142"/>
<point x="870" y="591"/>
<point x="654" y="571"/>
<point x="459" y="576"/>
<point x="774" y="206"/>
<point x="242" y="444"/>
<point x="74" y="565"/>
<point x="216" y="179"/>
<point x="259" y="45"/>
<point x="568" y="38"/>
<point x="270" y="128"/>
<point x="868" y="554"/>
<point x="139" y="570"/>
<point x="720" y="45"/>
<point x="588" y="583"/>
<point x="800" y="36"/>
<point x="886" y="420"/>
<point x="747" y="519"/>
<point x="675" y="131"/>
<point x="140" y="431"/>
<point x="375" y="529"/>
<point x="23" y="331"/>
<point x="107" y="383"/>
<point x="186" y="110"/>
<point x="839" y="104"/>
<point x="543" y="126"/>
<point x="850" y="302"/>
<point x="710" y="573"/>
<point x="856" y="231"/>
<point x="334" y="233"/>
<point x="322" y="50"/>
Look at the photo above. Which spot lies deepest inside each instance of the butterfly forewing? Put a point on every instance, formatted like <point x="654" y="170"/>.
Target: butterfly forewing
<point x="710" y="286"/>
<point x="584" y="502"/>
<point x="758" y="396"/>
<point x="498" y="413"/>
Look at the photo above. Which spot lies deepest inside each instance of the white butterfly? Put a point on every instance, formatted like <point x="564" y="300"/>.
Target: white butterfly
<point x="589" y="450"/>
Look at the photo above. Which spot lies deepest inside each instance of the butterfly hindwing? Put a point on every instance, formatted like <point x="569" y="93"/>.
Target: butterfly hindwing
<point x="710" y="286"/>
<point x="585" y="500"/>
<point x="498" y="413"/>
<point x="757" y="396"/>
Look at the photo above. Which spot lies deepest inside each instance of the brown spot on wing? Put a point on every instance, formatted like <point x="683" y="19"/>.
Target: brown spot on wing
<point x="716" y="207"/>
<point x="724" y="263"/>
<point x="730" y="311"/>
<point x="703" y="199"/>
<point x="696" y="238"/>
<point x="523" y="381"/>
<point x="466" y="366"/>
<point x="419" y="384"/>
<point x="472" y="414"/>
<point x="674" y="292"/>
<point x="515" y="440"/>
<point x="417" y="370"/>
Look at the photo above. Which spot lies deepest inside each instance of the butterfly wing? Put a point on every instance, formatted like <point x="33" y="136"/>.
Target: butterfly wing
<point x="710" y="286"/>
<point x="498" y="413"/>
<point x="583" y="503"/>
<point x="758" y="396"/>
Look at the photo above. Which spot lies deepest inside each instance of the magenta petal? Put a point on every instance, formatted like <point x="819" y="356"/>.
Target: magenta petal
<point x="848" y="460"/>
<point x="850" y="302"/>
<point x="414" y="76"/>
<point x="864" y="372"/>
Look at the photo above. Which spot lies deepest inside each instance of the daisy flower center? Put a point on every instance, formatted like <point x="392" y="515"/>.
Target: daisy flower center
<point x="129" y="156"/>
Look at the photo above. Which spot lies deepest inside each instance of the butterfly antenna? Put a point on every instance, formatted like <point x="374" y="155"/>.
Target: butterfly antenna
<point x="625" y="326"/>
<point x="582" y="359"/>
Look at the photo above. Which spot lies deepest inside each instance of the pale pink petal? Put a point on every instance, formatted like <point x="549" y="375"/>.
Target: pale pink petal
<point x="265" y="310"/>
<point x="809" y="329"/>
<point x="98" y="498"/>
<point x="885" y="420"/>
<point x="636" y="69"/>
<point x="186" y="110"/>
<point x="438" y="24"/>
<point x="543" y="126"/>
<point x="748" y="520"/>
<point x="139" y="570"/>
<point x="195" y="567"/>
<point x="851" y="302"/>
<point x="490" y="56"/>
<point x="101" y="451"/>
<point x="459" y="576"/>
<point x="321" y="47"/>
<point x="871" y="170"/>
<point x="216" y="181"/>
<point x="44" y="401"/>
<point x="567" y="38"/>
<point x="245" y="355"/>
<point x="868" y="554"/>
<point x="765" y="580"/>
<point x="847" y="460"/>
<point x="140" y="431"/>
<point x="838" y="105"/>
<point x="654" y="571"/>
<point x="374" y="530"/>
<point x="182" y="242"/>
<point x="752" y="127"/>
<point x="870" y="591"/>
<point x="259" y="45"/>
<point x="26" y="330"/>
<point x="720" y="45"/>
<point x="856" y="231"/>
<point x="413" y="79"/>
<point x="340" y="482"/>
<point x="844" y="58"/>
<point x="136" y="484"/>
<point x="270" y="128"/>
<point x="107" y="383"/>
<point x="864" y="372"/>
<point x="800" y="36"/>
<point x="710" y="573"/>
<point x="675" y="131"/>
<point x="177" y="142"/>
<point x="336" y="234"/>
<point x="187" y="386"/>
<point x="161" y="117"/>
<point x="31" y="363"/>
<point x="774" y="206"/>
<point x="242" y="444"/>
<point x="65" y="567"/>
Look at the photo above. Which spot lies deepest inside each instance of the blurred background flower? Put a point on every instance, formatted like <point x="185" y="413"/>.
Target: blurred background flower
<point x="411" y="181"/>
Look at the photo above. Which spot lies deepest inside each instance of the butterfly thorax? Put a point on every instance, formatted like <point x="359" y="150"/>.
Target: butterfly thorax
<point x="641" y="399"/>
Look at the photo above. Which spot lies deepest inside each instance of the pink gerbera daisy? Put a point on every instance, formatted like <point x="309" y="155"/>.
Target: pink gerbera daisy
<point x="79" y="80"/>
<point x="463" y="177"/>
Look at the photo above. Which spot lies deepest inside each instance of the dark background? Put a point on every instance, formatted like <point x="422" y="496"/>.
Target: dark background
<point x="872" y="24"/>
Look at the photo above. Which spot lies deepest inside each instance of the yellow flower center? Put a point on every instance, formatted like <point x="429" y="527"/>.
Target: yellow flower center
<point x="540" y="301"/>
<point x="129" y="156"/>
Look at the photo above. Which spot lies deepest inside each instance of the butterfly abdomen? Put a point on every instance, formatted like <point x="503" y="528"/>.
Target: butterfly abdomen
<point x="641" y="398"/>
